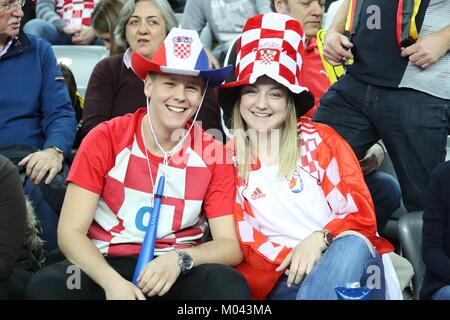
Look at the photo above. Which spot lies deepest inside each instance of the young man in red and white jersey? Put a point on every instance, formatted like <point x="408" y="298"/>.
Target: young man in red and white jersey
<point x="112" y="184"/>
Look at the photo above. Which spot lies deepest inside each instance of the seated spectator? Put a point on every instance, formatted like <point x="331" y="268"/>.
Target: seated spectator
<point x="37" y="123"/>
<point x="436" y="235"/>
<point x="63" y="22"/>
<point x="76" y="98"/>
<point x="18" y="236"/>
<point x="384" y="189"/>
<point x="104" y="21"/>
<point x="102" y="232"/>
<point x="225" y="18"/>
<point x="304" y="215"/>
<point x="114" y="89"/>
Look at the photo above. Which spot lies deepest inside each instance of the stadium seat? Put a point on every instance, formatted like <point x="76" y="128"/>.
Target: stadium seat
<point x="81" y="60"/>
<point x="447" y="157"/>
<point x="410" y="235"/>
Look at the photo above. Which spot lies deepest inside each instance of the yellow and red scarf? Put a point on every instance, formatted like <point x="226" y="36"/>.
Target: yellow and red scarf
<point x="406" y="27"/>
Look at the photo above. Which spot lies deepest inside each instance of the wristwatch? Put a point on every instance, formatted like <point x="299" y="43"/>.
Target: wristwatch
<point x="184" y="261"/>
<point x="58" y="150"/>
<point x="327" y="237"/>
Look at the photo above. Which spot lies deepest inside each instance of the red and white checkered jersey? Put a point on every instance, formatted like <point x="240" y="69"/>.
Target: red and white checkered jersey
<point x="76" y="12"/>
<point x="111" y="162"/>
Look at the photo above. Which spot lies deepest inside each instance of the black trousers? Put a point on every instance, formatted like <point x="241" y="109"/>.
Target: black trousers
<point x="205" y="282"/>
<point x="14" y="287"/>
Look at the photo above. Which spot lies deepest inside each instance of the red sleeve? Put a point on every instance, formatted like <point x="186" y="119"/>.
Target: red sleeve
<point x="220" y="196"/>
<point x="363" y="220"/>
<point x="93" y="160"/>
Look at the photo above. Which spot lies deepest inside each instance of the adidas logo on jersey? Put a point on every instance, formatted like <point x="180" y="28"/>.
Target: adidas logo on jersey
<point x="258" y="194"/>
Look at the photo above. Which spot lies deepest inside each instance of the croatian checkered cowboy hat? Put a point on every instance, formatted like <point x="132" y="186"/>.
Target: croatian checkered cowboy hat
<point x="271" y="44"/>
<point x="181" y="53"/>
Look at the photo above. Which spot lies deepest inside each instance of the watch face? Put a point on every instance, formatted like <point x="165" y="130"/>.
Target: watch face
<point x="328" y="238"/>
<point x="186" y="262"/>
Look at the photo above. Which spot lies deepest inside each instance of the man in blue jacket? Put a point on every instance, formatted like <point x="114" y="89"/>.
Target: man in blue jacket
<point x="37" y="122"/>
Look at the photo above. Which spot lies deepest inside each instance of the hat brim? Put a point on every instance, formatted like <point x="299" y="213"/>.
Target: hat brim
<point x="143" y="66"/>
<point x="229" y="92"/>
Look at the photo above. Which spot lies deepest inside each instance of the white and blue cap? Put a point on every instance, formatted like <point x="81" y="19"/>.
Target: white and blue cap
<point x="181" y="53"/>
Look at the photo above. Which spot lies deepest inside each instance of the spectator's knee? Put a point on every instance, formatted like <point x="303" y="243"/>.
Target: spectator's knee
<point x="36" y="27"/>
<point x="226" y="283"/>
<point x="41" y="286"/>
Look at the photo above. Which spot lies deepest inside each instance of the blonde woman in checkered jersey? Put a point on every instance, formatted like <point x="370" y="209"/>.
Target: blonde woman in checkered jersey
<point x="304" y="216"/>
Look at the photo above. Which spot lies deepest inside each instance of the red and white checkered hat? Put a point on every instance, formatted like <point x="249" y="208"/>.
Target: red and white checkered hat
<point x="271" y="45"/>
<point x="181" y="53"/>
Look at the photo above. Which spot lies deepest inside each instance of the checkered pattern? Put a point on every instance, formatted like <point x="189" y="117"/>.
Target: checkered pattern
<point x="123" y="211"/>
<point x="76" y="12"/>
<point x="182" y="50"/>
<point x="267" y="58"/>
<point x="322" y="160"/>
<point x="271" y="44"/>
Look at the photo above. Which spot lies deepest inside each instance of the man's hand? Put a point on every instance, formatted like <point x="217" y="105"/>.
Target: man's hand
<point x="39" y="163"/>
<point x="427" y="50"/>
<point x="302" y="259"/>
<point x="159" y="275"/>
<point x="372" y="160"/>
<point x="85" y="36"/>
<point x="69" y="30"/>
<point x="213" y="63"/>
<point x="123" y="290"/>
<point x="336" y="48"/>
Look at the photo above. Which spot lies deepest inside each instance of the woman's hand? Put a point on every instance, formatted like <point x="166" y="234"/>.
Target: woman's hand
<point x="159" y="275"/>
<point x="302" y="259"/>
<point x="123" y="290"/>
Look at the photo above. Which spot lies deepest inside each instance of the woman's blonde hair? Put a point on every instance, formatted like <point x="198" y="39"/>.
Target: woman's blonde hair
<point x="288" y="150"/>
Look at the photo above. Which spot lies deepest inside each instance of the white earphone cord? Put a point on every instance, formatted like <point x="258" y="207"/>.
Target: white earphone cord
<point x="174" y="149"/>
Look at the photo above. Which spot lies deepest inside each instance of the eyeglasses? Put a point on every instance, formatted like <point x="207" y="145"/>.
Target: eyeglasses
<point x="11" y="5"/>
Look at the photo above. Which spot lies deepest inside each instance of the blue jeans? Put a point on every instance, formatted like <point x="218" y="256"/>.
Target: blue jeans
<point x="442" y="294"/>
<point x="413" y="126"/>
<point x="347" y="260"/>
<point x="45" y="30"/>
<point x="386" y="196"/>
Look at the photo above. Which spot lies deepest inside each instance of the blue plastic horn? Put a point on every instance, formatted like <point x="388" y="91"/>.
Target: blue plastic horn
<point x="148" y="246"/>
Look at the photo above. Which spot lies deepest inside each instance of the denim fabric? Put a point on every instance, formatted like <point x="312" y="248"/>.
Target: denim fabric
<point x="49" y="32"/>
<point x="386" y="196"/>
<point x="347" y="260"/>
<point x="442" y="294"/>
<point x="413" y="126"/>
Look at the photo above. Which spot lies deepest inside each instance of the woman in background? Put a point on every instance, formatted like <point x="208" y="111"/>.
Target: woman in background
<point x="104" y="21"/>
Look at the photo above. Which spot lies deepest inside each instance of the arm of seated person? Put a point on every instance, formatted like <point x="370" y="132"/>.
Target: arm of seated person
<point x="76" y="217"/>
<point x="39" y="163"/>
<point x="302" y="259"/>
<point x="85" y="36"/>
<point x="372" y="159"/>
<point x="161" y="273"/>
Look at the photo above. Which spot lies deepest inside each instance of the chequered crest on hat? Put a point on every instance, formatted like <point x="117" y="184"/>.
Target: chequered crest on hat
<point x="271" y="44"/>
<point x="182" y="46"/>
<point x="181" y="53"/>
